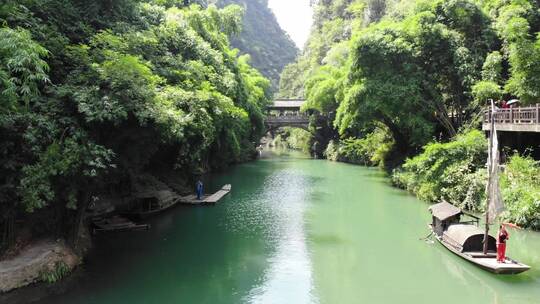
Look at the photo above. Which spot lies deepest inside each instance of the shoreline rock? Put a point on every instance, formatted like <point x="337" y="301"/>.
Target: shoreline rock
<point x="33" y="261"/>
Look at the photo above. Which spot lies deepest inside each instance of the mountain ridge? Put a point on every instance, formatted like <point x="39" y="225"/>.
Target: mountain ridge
<point x="269" y="46"/>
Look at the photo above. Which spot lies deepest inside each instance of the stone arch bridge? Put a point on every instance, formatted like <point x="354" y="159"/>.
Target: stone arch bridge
<point x="285" y="113"/>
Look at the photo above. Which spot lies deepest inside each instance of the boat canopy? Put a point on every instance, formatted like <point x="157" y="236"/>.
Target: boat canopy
<point x="444" y="211"/>
<point x="468" y="237"/>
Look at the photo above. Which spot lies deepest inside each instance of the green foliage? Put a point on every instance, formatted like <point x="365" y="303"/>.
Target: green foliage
<point x="60" y="270"/>
<point x="371" y="150"/>
<point x="324" y="88"/>
<point x="486" y="90"/>
<point x="410" y="65"/>
<point x="293" y="138"/>
<point x="270" y="48"/>
<point x="319" y="74"/>
<point x="514" y="22"/>
<point x="455" y="172"/>
<point x="137" y="84"/>
<point x="520" y="184"/>
<point x="323" y="91"/>
<point x="65" y="166"/>
<point x="291" y="82"/>
<point x="452" y="171"/>
<point x="22" y="68"/>
<point x="422" y="69"/>
<point x="332" y="151"/>
<point x="412" y="74"/>
<point x="23" y="72"/>
<point x="492" y="68"/>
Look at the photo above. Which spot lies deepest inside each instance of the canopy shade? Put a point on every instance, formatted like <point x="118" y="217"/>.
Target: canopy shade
<point x="468" y="237"/>
<point x="444" y="210"/>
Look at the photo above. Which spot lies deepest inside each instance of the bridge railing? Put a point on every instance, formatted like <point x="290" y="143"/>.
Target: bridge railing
<point x="287" y="119"/>
<point x="520" y="115"/>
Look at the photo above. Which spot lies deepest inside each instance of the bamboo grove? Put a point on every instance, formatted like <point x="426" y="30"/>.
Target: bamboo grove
<point x="94" y="93"/>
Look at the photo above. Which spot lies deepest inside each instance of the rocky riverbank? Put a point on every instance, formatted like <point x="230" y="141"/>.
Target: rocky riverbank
<point x="47" y="260"/>
<point x="44" y="260"/>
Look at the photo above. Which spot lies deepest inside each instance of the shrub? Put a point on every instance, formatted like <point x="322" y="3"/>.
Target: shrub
<point x="332" y="151"/>
<point x="292" y="138"/>
<point x="369" y="151"/>
<point x="59" y="270"/>
<point x="455" y="172"/>
<point x="520" y="185"/>
<point x="452" y="171"/>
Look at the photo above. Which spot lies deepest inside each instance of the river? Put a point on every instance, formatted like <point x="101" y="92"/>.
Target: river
<point x="295" y="230"/>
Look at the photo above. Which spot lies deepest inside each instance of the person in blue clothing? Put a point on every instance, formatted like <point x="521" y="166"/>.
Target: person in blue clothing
<point x="199" y="189"/>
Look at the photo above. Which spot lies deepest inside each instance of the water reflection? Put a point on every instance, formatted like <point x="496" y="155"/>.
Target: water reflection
<point x="288" y="278"/>
<point x="466" y="274"/>
<point x="294" y="230"/>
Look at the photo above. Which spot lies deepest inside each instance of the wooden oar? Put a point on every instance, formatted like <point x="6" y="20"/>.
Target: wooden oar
<point x="511" y="225"/>
<point x="425" y="238"/>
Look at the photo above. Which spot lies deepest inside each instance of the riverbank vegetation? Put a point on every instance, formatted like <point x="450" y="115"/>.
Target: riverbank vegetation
<point x="95" y="94"/>
<point x="292" y="138"/>
<point x="456" y="172"/>
<point x="423" y="70"/>
<point x="520" y="186"/>
<point x="370" y="150"/>
<point x="453" y="171"/>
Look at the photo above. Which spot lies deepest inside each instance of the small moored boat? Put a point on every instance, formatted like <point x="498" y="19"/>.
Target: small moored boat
<point x="145" y="205"/>
<point x="116" y="224"/>
<point x="465" y="239"/>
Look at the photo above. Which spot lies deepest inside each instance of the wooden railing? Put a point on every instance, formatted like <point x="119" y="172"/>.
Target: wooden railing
<point x="287" y="119"/>
<point x="521" y="115"/>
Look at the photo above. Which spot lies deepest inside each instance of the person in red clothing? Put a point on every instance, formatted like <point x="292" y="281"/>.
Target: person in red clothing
<point x="502" y="237"/>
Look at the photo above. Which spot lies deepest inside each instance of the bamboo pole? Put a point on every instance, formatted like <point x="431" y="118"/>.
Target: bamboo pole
<point x="490" y="168"/>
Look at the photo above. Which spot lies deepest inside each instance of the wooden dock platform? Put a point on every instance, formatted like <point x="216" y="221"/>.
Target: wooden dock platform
<point x="206" y="199"/>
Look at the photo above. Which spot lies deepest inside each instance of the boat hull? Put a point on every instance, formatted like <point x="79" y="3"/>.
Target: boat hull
<point x="146" y="214"/>
<point x="116" y="224"/>
<point x="488" y="262"/>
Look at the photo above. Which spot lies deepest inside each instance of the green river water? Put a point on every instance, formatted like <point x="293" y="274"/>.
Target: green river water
<point x="295" y="230"/>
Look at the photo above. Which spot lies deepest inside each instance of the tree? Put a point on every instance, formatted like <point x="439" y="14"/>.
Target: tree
<point x="22" y="69"/>
<point x="416" y="75"/>
<point x="23" y="72"/>
<point x="137" y="86"/>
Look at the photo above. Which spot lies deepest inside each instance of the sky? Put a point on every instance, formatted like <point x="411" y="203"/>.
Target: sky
<point x="295" y="17"/>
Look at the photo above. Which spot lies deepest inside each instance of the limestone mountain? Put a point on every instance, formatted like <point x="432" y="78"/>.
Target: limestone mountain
<point x="269" y="46"/>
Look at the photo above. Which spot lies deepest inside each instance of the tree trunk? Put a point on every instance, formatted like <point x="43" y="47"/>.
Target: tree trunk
<point x="82" y="205"/>
<point x="402" y="144"/>
<point x="8" y="232"/>
<point x="440" y="109"/>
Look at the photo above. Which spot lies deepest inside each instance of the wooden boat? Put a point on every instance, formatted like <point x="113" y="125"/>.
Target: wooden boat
<point x="115" y="224"/>
<point x="465" y="239"/>
<point x="149" y="204"/>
